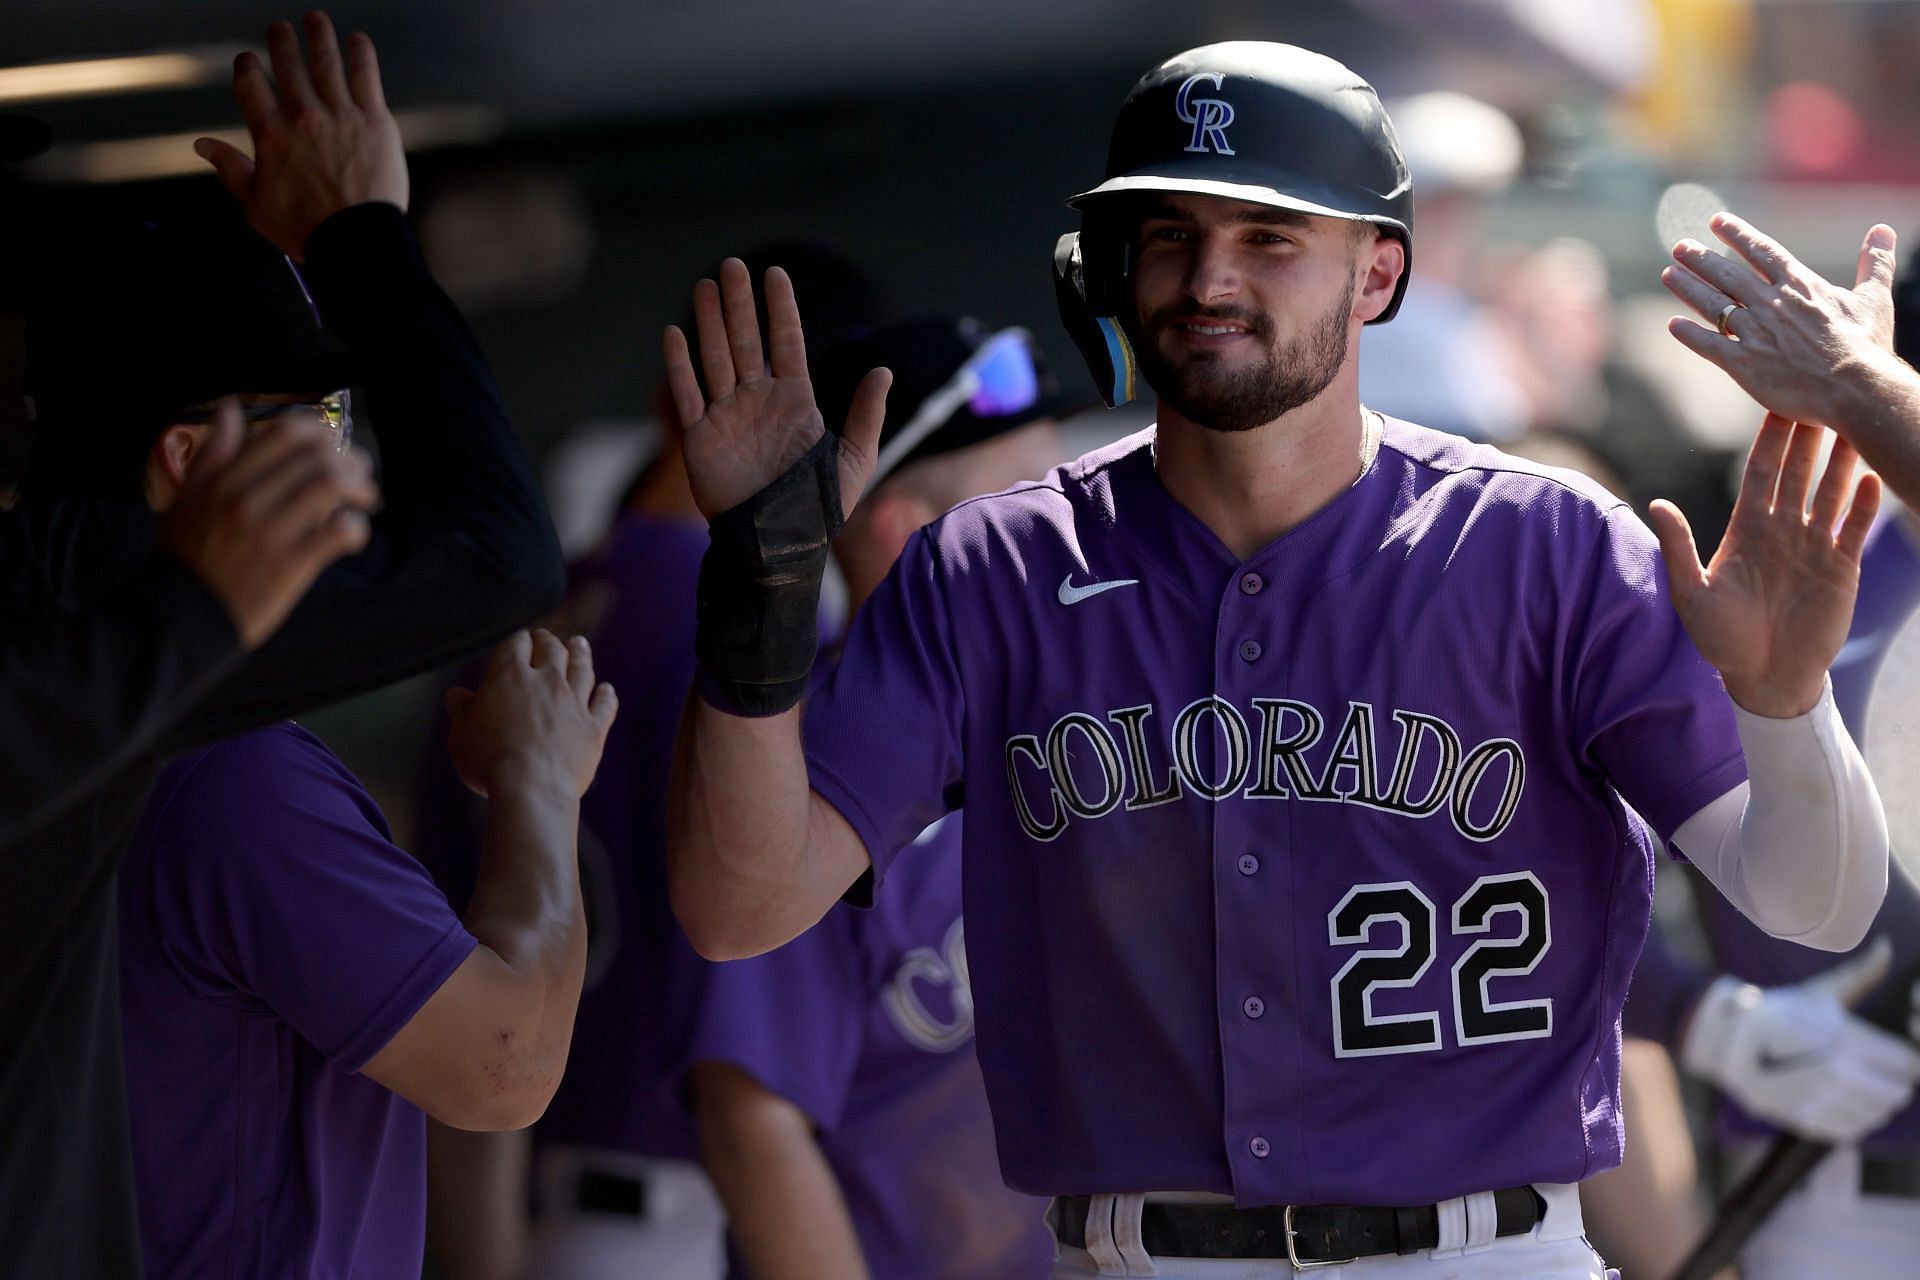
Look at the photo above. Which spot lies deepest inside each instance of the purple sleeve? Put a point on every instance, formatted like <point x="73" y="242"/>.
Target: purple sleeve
<point x="276" y="888"/>
<point x="1665" y="987"/>
<point x="791" y="1019"/>
<point x="1649" y="713"/>
<point x="884" y="730"/>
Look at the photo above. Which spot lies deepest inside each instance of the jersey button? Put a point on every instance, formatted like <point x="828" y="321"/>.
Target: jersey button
<point x="1251" y="583"/>
<point x="1260" y="1148"/>
<point x="1248" y="864"/>
<point x="1250" y="650"/>
<point x="1253" y="1006"/>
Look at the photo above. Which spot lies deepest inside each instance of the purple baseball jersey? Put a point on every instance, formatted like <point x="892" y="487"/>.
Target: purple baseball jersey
<point x="865" y="1023"/>
<point x="1305" y="878"/>
<point x="1889" y="593"/>
<point x="273" y="941"/>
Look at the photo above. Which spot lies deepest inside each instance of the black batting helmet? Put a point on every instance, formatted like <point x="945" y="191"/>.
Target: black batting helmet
<point x="1250" y="120"/>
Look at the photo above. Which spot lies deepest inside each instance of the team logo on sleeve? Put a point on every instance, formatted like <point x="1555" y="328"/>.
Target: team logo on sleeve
<point x="1088" y="766"/>
<point x="1208" y="116"/>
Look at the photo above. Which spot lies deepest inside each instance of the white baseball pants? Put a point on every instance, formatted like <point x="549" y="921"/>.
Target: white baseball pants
<point x="1829" y="1228"/>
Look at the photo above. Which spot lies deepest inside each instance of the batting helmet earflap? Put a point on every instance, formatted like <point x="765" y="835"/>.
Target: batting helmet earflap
<point x="1249" y="120"/>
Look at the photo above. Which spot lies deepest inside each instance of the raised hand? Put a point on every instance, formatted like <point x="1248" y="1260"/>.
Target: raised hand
<point x="323" y="139"/>
<point x="1793" y="341"/>
<point x="757" y="418"/>
<point x="258" y="517"/>
<point x="1772" y="610"/>
<point x="538" y="720"/>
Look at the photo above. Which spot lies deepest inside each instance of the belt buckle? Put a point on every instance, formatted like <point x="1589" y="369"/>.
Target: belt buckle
<point x="1293" y="1257"/>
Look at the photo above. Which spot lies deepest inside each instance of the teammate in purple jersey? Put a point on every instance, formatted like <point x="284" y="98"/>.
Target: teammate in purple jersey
<point x="841" y="1108"/>
<point x="1303" y="751"/>
<point x="295" y="990"/>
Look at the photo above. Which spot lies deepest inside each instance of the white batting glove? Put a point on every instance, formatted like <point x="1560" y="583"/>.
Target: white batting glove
<point x="1794" y="1056"/>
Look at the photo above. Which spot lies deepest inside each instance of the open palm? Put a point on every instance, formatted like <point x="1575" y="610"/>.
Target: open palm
<point x="756" y="418"/>
<point x="1773" y="609"/>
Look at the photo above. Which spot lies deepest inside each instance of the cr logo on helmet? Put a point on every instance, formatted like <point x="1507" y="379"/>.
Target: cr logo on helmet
<point x="1208" y="116"/>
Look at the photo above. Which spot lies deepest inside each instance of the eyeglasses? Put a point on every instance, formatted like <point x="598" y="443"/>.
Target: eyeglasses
<point x="333" y="411"/>
<point x="998" y="379"/>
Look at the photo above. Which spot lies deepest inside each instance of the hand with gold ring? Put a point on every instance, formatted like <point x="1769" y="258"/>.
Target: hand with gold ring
<point x="1794" y="341"/>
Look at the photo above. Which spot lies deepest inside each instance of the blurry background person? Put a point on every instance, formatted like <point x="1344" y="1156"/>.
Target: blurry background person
<point x="614" y="1164"/>
<point x="462" y="553"/>
<point x="841" y="1110"/>
<point x="1442" y="363"/>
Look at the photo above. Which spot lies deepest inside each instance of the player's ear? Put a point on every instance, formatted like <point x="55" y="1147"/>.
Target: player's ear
<point x="168" y="461"/>
<point x="1378" y="266"/>
<point x="898" y="513"/>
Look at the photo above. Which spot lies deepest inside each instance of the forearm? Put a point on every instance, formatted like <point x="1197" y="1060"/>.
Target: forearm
<point x="745" y="862"/>
<point x="784" y="1207"/>
<point x="1802" y="849"/>
<point x="527" y="911"/>
<point x="1877" y="410"/>
<point x="449" y="455"/>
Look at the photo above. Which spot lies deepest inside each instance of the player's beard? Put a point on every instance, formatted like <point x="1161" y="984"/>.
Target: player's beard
<point x="1223" y="399"/>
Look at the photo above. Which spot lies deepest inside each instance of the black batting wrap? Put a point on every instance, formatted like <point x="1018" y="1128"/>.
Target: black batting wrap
<point x="759" y="594"/>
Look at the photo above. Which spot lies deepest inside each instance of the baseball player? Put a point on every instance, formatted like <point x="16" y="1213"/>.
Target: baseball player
<point x="839" y="1099"/>
<point x="296" y="992"/>
<point x="1302" y="750"/>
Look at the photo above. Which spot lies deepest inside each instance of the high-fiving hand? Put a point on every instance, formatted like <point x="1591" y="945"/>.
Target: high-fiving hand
<point x="538" y="720"/>
<point x="1773" y="609"/>
<point x="757" y="418"/>
<point x="1791" y="337"/>
<point x="323" y="139"/>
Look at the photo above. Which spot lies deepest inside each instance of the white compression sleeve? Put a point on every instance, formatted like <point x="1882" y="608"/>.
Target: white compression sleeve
<point x="1801" y="847"/>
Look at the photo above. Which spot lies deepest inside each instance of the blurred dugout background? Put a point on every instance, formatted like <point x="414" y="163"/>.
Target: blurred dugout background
<point x="578" y="163"/>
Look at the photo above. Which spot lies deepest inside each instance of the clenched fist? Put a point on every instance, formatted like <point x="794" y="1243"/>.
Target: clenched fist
<point x="537" y="720"/>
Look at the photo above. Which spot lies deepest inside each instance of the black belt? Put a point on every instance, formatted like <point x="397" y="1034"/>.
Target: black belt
<point x="596" y="1191"/>
<point x="1890" y="1175"/>
<point x="1308" y="1233"/>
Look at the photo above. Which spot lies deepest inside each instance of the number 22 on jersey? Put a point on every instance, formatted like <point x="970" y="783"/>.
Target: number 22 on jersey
<point x="1358" y="1032"/>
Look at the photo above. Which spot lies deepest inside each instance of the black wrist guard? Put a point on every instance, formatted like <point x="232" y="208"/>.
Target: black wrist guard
<point x="759" y="594"/>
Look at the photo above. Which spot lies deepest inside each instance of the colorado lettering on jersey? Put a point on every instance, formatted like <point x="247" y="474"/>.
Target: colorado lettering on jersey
<point x="1088" y="766"/>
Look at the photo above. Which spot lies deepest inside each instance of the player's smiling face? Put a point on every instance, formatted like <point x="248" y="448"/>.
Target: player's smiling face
<point x="1245" y="311"/>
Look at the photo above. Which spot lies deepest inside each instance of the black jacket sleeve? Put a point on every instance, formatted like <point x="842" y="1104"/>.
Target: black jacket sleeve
<point x="85" y="691"/>
<point x="463" y="551"/>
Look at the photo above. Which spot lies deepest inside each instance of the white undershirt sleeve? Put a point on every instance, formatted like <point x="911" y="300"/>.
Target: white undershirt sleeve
<point x="1801" y="847"/>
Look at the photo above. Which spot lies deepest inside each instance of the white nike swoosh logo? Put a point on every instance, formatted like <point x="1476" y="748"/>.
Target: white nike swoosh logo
<point x="1070" y="594"/>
